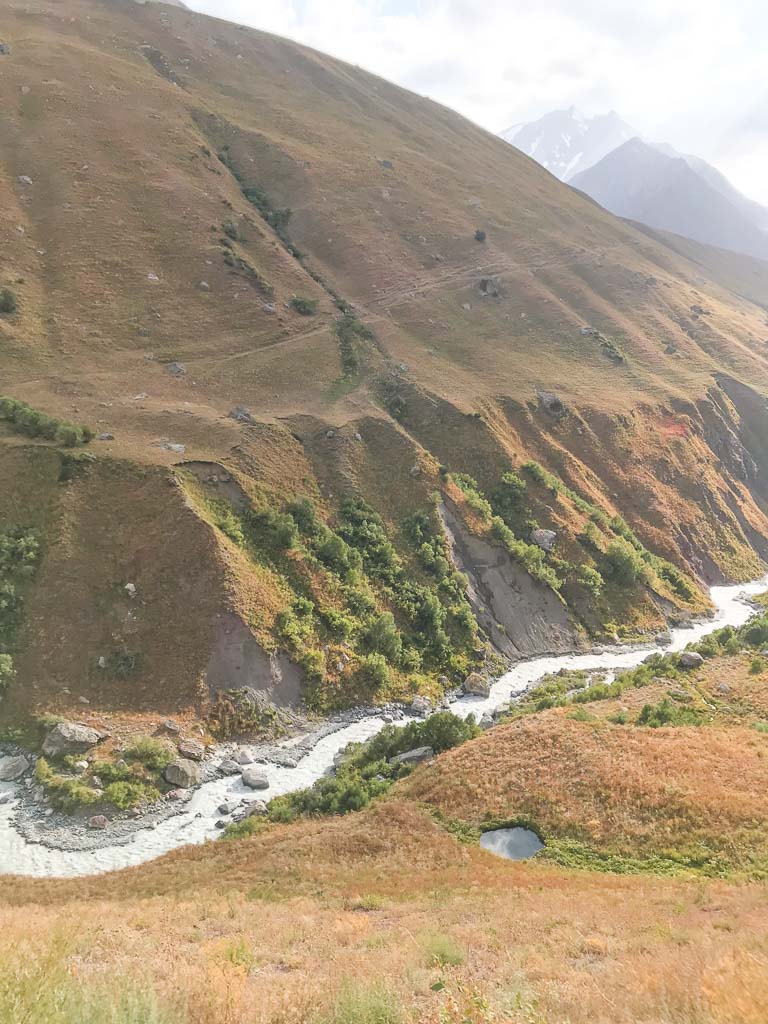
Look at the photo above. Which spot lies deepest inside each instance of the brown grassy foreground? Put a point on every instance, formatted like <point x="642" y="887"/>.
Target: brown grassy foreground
<point x="380" y="917"/>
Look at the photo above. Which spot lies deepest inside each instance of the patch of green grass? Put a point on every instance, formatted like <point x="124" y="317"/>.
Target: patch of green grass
<point x="441" y="950"/>
<point x="154" y="754"/>
<point x="23" y="419"/>
<point x="362" y="1003"/>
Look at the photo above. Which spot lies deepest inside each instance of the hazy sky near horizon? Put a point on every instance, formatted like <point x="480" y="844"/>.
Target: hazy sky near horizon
<point x="687" y="72"/>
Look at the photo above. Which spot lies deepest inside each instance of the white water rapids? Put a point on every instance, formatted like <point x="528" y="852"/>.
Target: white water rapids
<point x="196" y="823"/>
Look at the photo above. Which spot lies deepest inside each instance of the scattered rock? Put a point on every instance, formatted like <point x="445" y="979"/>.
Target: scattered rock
<point x="330" y="433"/>
<point x="681" y="696"/>
<point x="241" y="414"/>
<point x="486" y="721"/>
<point x="489" y="286"/>
<point x="662" y="639"/>
<point x="170" y="726"/>
<point x="256" y="809"/>
<point x="4" y="49"/>
<point x="24" y="179"/>
<point x="5" y="798"/>
<point x="545" y="539"/>
<point x="242" y="757"/>
<point x="221" y="823"/>
<point x="70" y="738"/>
<point x="152" y="276"/>
<point x="723" y="688"/>
<point x="387" y="164"/>
<point x="106" y="437"/>
<point x="255" y="779"/>
<point x="204" y="286"/>
<point x="176" y="369"/>
<point x="81" y="767"/>
<point x="415" y="756"/>
<point x="182" y="773"/>
<point x="226" y="808"/>
<point x="177" y="794"/>
<point x="98" y="821"/>
<point x="476" y="685"/>
<point x="551" y="404"/>
<point x="415" y="471"/>
<point x="193" y="750"/>
<point x="421" y="706"/>
<point x="13" y="769"/>
<point x="130" y="589"/>
<point x="230" y="767"/>
<point x="690" y="659"/>
<point x="83" y="700"/>
<point x="466" y="305"/>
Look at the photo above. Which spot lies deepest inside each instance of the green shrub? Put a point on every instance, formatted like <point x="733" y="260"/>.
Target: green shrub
<point x="480" y="235"/>
<point x="152" y="753"/>
<point x="8" y="302"/>
<point x="26" y="420"/>
<point x="667" y="713"/>
<point x="590" y="579"/>
<point x="623" y="563"/>
<point x="756" y="666"/>
<point x="66" y="794"/>
<point x="128" y="794"/>
<point x="373" y="671"/>
<point x="382" y="637"/>
<point x="7" y="672"/>
<point x="305" y="307"/>
<point x="351" y="335"/>
<point x="442" y="951"/>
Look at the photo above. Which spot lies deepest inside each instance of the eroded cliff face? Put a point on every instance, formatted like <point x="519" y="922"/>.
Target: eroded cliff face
<point x="520" y="616"/>
<point x="199" y="619"/>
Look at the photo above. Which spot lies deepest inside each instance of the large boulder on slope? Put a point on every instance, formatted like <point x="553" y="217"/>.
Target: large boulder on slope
<point x="415" y="756"/>
<point x="70" y="738"/>
<point x="690" y="659"/>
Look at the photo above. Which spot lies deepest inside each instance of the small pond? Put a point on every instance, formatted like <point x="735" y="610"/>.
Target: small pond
<point x="512" y="843"/>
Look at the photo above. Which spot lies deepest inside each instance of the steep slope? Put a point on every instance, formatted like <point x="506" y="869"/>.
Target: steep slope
<point x="264" y="276"/>
<point x="639" y="182"/>
<point x="566" y="142"/>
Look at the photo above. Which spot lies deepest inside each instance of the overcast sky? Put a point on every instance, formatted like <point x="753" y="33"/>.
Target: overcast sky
<point x="688" y="72"/>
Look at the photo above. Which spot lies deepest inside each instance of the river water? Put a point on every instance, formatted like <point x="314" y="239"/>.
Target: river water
<point x="196" y="823"/>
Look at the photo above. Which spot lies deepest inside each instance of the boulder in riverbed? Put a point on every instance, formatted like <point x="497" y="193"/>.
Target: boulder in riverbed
<point x="476" y="685"/>
<point x="255" y="779"/>
<point x="256" y="809"/>
<point x="70" y="738"/>
<point x="193" y="750"/>
<point x="98" y="821"/>
<point x="182" y="773"/>
<point x="421" y="706"/>
<point x="13" y="769"/>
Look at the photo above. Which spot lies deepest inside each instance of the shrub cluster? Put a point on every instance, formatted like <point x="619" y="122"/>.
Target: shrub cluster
<point x="26" y="420"/>
<point x="19" y="554"/>
<point x="365" y="771"/>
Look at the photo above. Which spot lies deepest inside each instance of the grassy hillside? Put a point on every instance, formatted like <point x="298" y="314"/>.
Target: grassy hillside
<point x="394" y="913"/>
<point x="261" y="276"/>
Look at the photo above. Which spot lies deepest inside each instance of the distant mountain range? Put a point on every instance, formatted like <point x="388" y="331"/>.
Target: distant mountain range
<point x="652" y="183"/>
<point x="566" y="142"/>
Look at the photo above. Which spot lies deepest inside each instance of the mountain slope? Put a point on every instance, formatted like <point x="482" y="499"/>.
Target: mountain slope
<point x="639" y="182"/>
<point x="566" y="142"/>
<point x="262" y="274"/>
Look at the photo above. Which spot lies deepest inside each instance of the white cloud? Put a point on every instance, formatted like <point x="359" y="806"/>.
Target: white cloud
<point x="682" y="71"/>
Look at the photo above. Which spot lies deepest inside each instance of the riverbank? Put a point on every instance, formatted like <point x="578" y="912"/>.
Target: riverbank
<point x="296" y="763"/>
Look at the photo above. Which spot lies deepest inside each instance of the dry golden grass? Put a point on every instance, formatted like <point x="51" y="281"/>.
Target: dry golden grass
<point x="268" y="930"/>
<point x="689" y="797"/>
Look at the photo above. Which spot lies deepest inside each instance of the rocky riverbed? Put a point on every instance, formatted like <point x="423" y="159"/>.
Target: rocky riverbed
<point x="36" y="841"/>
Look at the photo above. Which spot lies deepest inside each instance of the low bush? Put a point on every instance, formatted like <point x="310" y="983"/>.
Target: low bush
<point x="8" y="302"/>
<point x="302" y="306"/>
<point x="23" y="419"/>
<point x="154" y="754"/>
